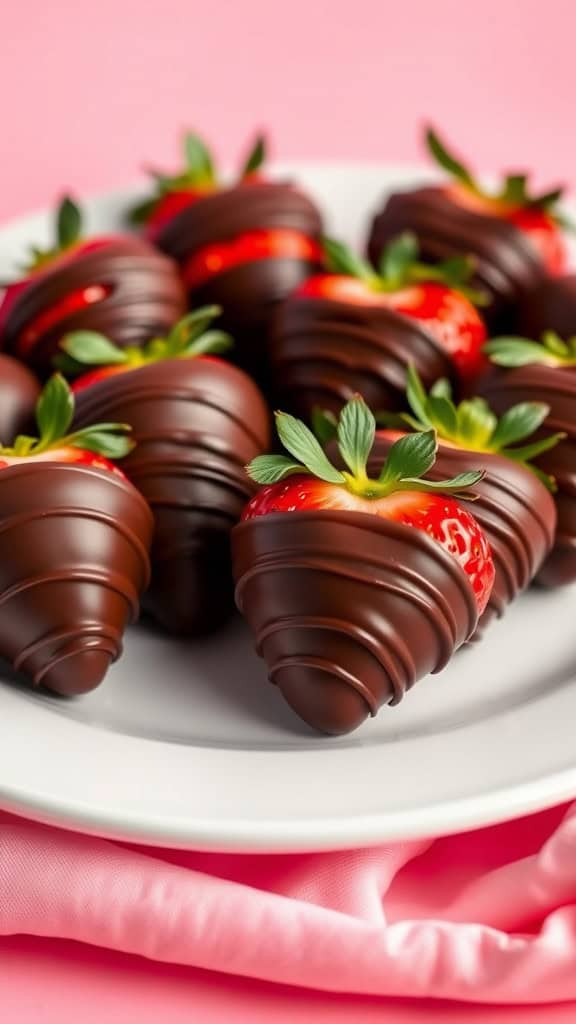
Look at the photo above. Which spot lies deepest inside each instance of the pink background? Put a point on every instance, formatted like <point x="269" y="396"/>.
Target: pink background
<point x="92" y="90"/>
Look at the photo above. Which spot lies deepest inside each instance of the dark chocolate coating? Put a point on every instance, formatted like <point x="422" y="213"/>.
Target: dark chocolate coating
<point x="73" y="562"/>
<point x="146" y="299"/>
<point x="513" y="507"/>
<point x="19" y="392"/>
<point x="323" y="352"/>
<point x="557" y="387"/>
<point x="550" y="306"/>
<point x="348" y="610"/>
<point x="507" y="264"/>
<point x="197" y="422"/>
<point x="248" y="293"/>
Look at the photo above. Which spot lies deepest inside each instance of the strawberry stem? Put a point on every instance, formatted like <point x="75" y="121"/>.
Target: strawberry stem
<point x="54" y="414"/>
<point x="189" y="338"/>
<point x="407" y="462"/>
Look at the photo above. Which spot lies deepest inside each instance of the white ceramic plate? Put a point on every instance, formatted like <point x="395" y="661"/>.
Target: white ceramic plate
<point x="188" y="745"/>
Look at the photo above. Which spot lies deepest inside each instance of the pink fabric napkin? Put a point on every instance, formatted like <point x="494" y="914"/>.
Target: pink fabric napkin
<point x="486" y="917"/>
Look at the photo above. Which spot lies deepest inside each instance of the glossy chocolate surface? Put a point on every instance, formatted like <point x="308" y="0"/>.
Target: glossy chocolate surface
<point x="73" y="563"/>
<point x="249" y="292"/>
<point x="197" y="422"/>
<point x="19" y="392"/>
<point x="557" y="387"/>
<point x="323" y="352"/>
<point x="507" y="265"/>
<point x="513" y="507"/>
<point x="550" y="306"/>
<point x="348" y="610"/>
<point x="146" y="298"/>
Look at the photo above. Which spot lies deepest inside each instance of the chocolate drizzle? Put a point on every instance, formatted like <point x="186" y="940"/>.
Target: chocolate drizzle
<point x="197" y="423"/>
<point x="249" y="292"/>
<point x="557" y="387"/>
<point x="507" y="264"/>
<point x="348" y="610"/>
<point x="323" y="352"/>
<point x="73" y="562"/>
<point x="550" y="306"/>
<point x="19" y="392"/>
<point x="145" y="297"/>
<point x="514" y="509"/>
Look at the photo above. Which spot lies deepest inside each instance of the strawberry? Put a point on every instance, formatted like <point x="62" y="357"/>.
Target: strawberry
<point x="74" y="540"/>
<point x="434" y="295"/>
<point x="198" y="178"/>
<point x="196" y="420"/>
<point x="83" y="281"/>
<point x="514" y="505"/>
<point x="94" y="445"/>
<point x="534" y="216"/>
<point x="399" y="494"/>
<point x="528" y="371"/>
<point x="355" y="586"/>
<point x="242" y="246"/>
<point x="190" y="338"/>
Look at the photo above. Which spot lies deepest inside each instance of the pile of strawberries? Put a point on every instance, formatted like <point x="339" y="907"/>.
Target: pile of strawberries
<point x="425" y="470"/>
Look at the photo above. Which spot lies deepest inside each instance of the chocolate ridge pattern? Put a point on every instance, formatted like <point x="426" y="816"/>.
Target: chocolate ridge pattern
<point x="513" y="507"/>
<point x="197" y="422"/>
<point x="331" y="598"/>
<point x="557" y="387"/>
<point x="74" y="546"/>
<point x="146" y="298"/>
<point x="507" y="264"/>
<point x="323" y="352"/>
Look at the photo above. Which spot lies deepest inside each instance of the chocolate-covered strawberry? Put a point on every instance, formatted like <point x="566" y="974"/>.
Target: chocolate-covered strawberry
<point x="354" y="586"/>
<point x="74" y="540"/>
<point x="530" y="371"/>
<point x="116" y="284"/>
<point x="550" y="306"/>
<point x="197" y="421"/>
<point x="19" y="392"/>
<point x="514" y="236"/>
<point x="514" y="505"/>
<point x="244" y="246"/>
<point x="354" y="330"/>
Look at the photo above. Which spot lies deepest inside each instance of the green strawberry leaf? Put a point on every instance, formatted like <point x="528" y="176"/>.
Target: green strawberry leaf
<point x="141" y="212"/>
<point x="409" y="458"/>
<point x="356" y="430"/>
<point x="475" y="423"/>
<point x="54" y="411"/>
<point x="68" y="223"/>
<point x="190" y="327"/>
<point x="447" y="161"/>
<point x="397" y="258"/>
<point x="269" y="469"/>
<point x="417" y="398"/>
<point x="456" y="485"/>
<point x="90" y="348"/>
<point x="300" y="442"/>
<point x="518" y="423"/>
<point x="514" y="189"/>
<point x="324" y="425"/>
<point x="512" y="352"/>
<point x="555" y="344"/>
<point x="106" y="439"/>
<point x="443" y="414"/>
<point x="547" y="200"/>
<point x="340" y="259"/>
<point x="441" y="388"/>
<point x="256" y="157"/>
<point x="531" y="451"/>
<point x="210" y="343"/>
<point x="199" y="164"/>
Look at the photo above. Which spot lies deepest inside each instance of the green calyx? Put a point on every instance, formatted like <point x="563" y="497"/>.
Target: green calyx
<point x="514" y="190"/>
<point x="550" y="351"/>
<point x="198" y="174"/>
<point x="399" y="267"/>
<point x="407" y="462"/>
<point x="68" y="233"/>
<point x="54" y="415"/>
<point x="473" y="425"/>
<point x="189" y="338"/>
